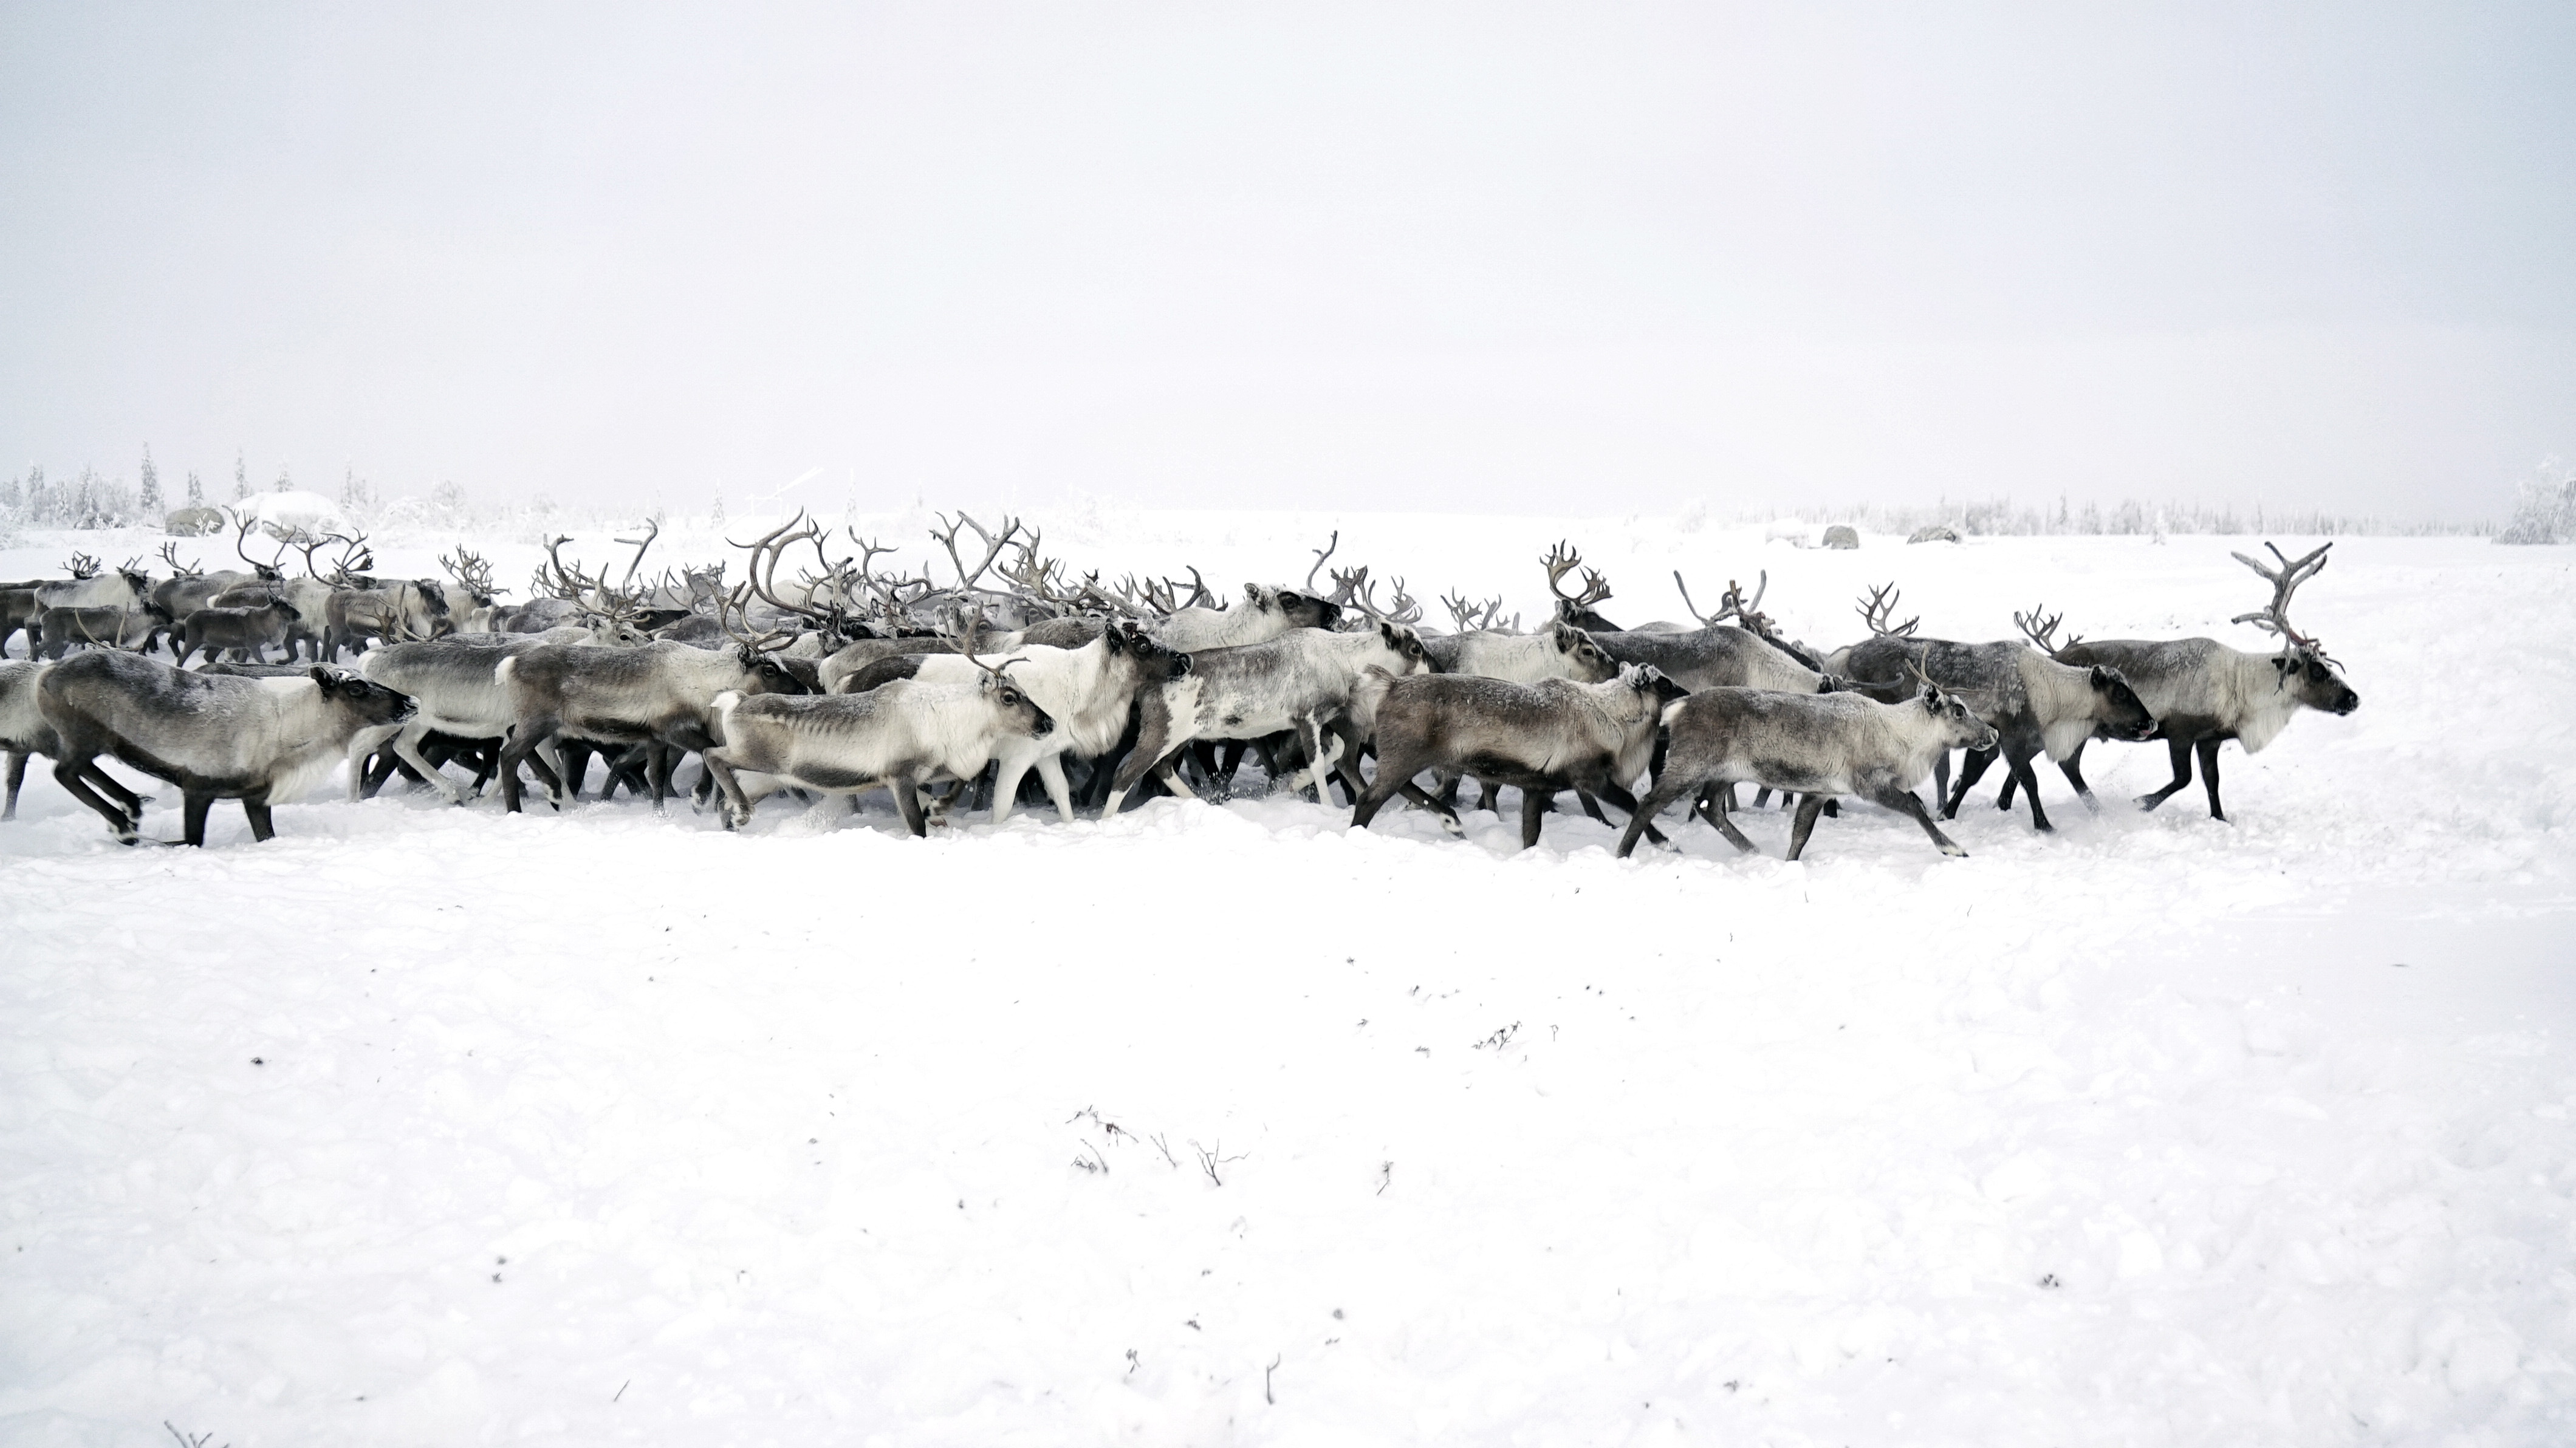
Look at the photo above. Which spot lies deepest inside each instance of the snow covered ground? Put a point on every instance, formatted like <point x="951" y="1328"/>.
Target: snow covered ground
<point x="1226" y="1124"/>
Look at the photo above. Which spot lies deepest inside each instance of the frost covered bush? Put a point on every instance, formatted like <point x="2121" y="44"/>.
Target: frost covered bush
<point x="2544" y="511"/>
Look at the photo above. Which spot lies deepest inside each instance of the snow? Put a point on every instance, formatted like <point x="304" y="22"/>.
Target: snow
<point x="430" y="1125"/>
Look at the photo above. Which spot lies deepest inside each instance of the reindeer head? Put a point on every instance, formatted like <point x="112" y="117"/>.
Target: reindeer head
<point x="2302" y="665"/>
<point x="1590" y="664"/>
<point x="1156" y="663"/>
<point x="1401" y="640"/>
<point x="1647" y="679"/>
<point x="2120" y="713"/>
<point x="372" y="702"/>
<point x="1960" y="728"/>
<point x="758" y="654"/>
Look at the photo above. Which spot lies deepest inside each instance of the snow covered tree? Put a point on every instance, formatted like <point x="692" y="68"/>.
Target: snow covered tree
<point x="284" y="483"/>
<point x="715" y="512"/>
<point x="196" y="490"/>
<point x="9" y="493"/>
<point x="2544" y="509"/>
<point x="150" y="499"/>
<point x="241" y="479"/>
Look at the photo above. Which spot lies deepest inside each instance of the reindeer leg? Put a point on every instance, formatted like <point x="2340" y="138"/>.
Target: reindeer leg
<point x="1007" y="774"/>
<point x="1534" y="807"/>
<point x="1904" y="802"/>
<point x="72" y="772"/>
<point x="2020" y="767"/>
<point x="1664" y="791"/>
<point x="1618" y="794"/>
<point x="261" y="831"/>
<point x="407" y="749"/>
<point x="2209" y="776"/>
<point x="1971" y="769"/>
<point x="1808" y="808"/>
<point x="2073" y="768"/>
<point x="1940" y="783"/>
<point x="659" y="758"/>
<point x="1051" y="773"/>
<point x="17" y="776"/>
<point x="1719" y="806"/>
<point x="193" y="807"/>
<point x="2181" y="751"/>
<point x="737" y="809"/>
<point x="362" y="747"/>
<point x="907" y="801"/>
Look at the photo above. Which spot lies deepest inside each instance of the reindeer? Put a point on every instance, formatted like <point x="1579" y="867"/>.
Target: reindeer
<point x="1090" y="692"/>
<point x="2204" y="693"/>
<point x="1719" y="654"/>
<point x="242" y="630"/>
<point x="1300" y="681"/>
<point x="900" y="737"/>
<point x="454" y="683"/>
<point x="1542" y="738"/>
<point x="474" y="604"/>
<point x="137" y="626"/>
<point x="23" y="731"/>
<point x="264" y="742"/>
<point x="657" y="694"/>
<point x="2034" y="702"/>
<point x="94" y="585"/>
<point x="1814" y="745"/>
<point x="360" y="607"/>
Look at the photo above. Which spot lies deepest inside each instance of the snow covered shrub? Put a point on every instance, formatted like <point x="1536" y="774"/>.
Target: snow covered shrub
<point x="2544" y="510"/>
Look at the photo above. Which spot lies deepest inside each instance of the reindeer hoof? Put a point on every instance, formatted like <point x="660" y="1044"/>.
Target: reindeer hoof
<point x="1954" y="852"/>
<point x="2147" y="801"/>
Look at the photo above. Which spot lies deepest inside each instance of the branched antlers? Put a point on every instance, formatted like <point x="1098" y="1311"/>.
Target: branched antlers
<point x="1472" y="617"/>
<point x="84" y="566"/>
<point x="2041" y="629"/>
<point x="993" y="544"/>
<point x="2275" y="617"/>
<point x="472" y="572"/>
<point x="1874" y="611"/>
<point x="170" y="555"/>
<point x="1562" y="560"/>
<point x="1746" y="612"/>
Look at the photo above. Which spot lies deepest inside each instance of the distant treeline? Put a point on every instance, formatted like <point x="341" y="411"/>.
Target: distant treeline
<point x="2011" y="518"/>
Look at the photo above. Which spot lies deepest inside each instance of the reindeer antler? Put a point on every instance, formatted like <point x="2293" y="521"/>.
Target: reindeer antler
<point x="993" y="545"/>
<point x="735" y="604"/>
<point x="2041" y="630"/>
<point x="1880" y="603"/>
<point x="1322" y="554"/>
<point x="1472" y="616"/>
<point x="2285" y="580"/>
<point x="84" y="566"/>
<point x="1561" y="560"/>
<point x="170" y="555"/>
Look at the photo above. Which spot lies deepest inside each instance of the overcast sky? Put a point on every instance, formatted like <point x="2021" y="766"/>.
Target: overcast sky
<point x="1588" y="258"/>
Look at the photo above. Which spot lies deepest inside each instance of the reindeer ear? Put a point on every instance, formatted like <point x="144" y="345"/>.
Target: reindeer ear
<point x="322" y="676"/>
<point x="2101" y="677"/>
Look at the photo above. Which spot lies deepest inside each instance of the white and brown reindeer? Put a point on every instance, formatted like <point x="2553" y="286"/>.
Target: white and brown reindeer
<point x="2204" y="693"/>
<point x="1299" y="681"/>
<point x="660" y="694"/>
<point x="1090" y="692"/>
<point x="1552" y="735"/>
<point x="1816" y="746"/>
<point x="263" y="741"/>
<point x="899" y="736"/>
<point x="2035" y="703"/>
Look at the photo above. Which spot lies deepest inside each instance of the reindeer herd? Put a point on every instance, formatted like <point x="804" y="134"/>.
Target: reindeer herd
<point x="845" y="679"/>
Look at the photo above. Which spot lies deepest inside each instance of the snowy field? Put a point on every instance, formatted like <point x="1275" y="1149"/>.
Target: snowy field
<point x="1228" y="1125"/>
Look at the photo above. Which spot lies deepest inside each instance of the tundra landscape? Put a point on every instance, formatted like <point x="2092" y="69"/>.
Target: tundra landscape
<point x="754" y="1118"/>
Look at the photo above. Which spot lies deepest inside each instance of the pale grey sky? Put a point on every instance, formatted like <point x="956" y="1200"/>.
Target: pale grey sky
<point x="1605" y="258"/>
